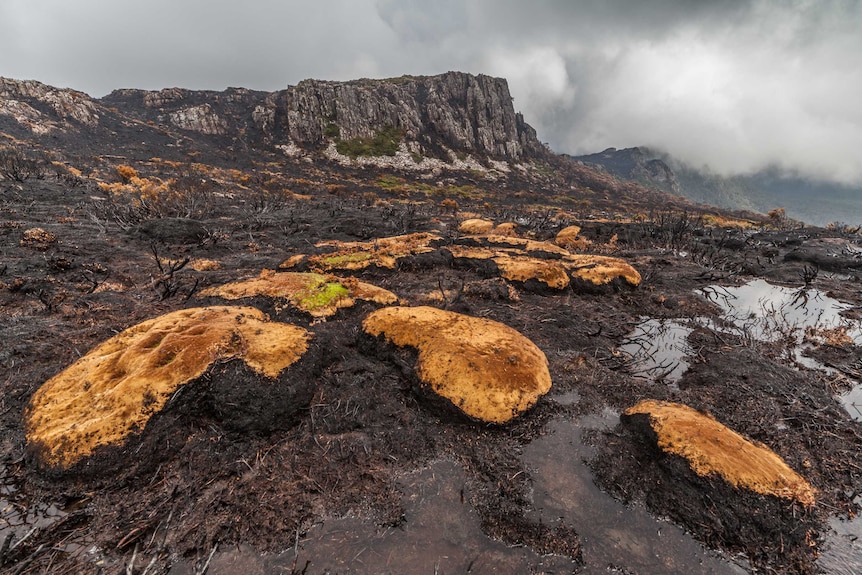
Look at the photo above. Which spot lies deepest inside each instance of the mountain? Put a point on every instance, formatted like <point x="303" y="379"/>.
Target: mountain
<point x="455" y="124"/>
<point x="452" y="112"/>
<point x="814" y="202"/>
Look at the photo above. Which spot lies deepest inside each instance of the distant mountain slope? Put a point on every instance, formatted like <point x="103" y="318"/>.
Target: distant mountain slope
<point x="814" y="202"/>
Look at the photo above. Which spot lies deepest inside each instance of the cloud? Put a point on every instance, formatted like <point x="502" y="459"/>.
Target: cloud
<point x="733" y="84"/>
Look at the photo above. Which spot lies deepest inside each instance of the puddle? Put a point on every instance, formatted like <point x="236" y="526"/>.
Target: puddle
<point x="658" y="349"/>
<point x="441" y="534"/>
<point x="19" y="520"/>
<point x="567" y="398"/>
<point x="852" y="402"/>
<point x="614" y="538"/>
<point x="766" y="312"/>
<point x="841" y="552"/>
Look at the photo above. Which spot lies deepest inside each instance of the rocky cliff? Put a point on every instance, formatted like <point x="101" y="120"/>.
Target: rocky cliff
<point x="432" y="115"/>
<point x="455" y="110"/>
<point x="42" y="109"/>
<point x="435" y="116"/>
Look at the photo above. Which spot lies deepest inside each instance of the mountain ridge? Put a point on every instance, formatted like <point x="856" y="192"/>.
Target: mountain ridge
<point x="452" y="112"/>
<point x="455" y="125"/>
<point x="816" y="202"/>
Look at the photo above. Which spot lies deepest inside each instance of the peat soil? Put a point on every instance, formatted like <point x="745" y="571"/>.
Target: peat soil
<point x="359" y="461"/>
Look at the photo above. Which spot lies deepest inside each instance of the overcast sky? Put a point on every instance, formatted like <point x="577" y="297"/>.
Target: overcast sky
<point x="733" y="84"/>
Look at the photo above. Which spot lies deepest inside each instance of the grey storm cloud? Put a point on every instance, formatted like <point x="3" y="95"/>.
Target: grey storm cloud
<point x="730" y="84"/>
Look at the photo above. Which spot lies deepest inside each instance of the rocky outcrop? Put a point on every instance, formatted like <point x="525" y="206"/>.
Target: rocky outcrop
<point x="199" y="119"/>
<point x="439" y="116"/>
<point x="453" y="117"/>
<point x="38" y="107"/>
<point x="456" y="110"/>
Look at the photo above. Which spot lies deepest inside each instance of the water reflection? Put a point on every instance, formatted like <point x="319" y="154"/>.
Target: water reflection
<point x="766" y="312"/>
<point x="658" y="349"/>
<point x="18" y="520"/>
<point x="441" y="534"/>
<point x="841" y="553"/>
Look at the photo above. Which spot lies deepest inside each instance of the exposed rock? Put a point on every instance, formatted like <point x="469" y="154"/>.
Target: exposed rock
<point x="447" y="118"/>
<point x="173" y="230"/>
<point x="66" y="104"/>
<point x="27" y="116"/>
<point x="317" y="294"/>
<point x="712" y="449"/>
<point x="486" y="369"/>
<point x="199" y="119"/>
<point x="163" y="97"/>
<point x="264" y="118"/>
<point x="461" y="111"/>
<point x="117" y="387"/>
<point x="828" y="254"/>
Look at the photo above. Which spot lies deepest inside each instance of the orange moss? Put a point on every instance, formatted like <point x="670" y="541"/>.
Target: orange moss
<point x="126" y="173"/>
<point x="204" y="265"/>
<point x="601" y="270"/>
<point x="291" y="262"/>
<point x="568" y="237"/>
<point x="505" y="229"/>
<point x="381" y="252"/>
<point x="38" y="239"/>
<point x="317" y="294"/>
<point x="114" y="390"/>
<point x="515" y="264"/>
<point x="474" y="253"/>
<point x="713" y="449"/>
<point x="475" y="226"/>
<point x="485" y="368"/>
<point x="524" y="244"/>
<point x="550" y="272"/>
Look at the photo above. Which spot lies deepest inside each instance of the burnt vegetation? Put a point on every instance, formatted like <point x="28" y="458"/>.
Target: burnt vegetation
<point x="111" y="241"/>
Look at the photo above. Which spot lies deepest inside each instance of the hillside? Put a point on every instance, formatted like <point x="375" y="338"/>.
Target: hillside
<point x="814" y="202"/>
<point x="375" y="326"/>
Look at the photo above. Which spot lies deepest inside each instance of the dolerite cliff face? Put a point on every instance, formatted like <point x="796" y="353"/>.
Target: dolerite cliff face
<point x="433" y="114"/>
<point x="460" y="111"/>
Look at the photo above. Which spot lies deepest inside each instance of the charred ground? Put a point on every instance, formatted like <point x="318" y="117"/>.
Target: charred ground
<point x="105" y="239"/>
